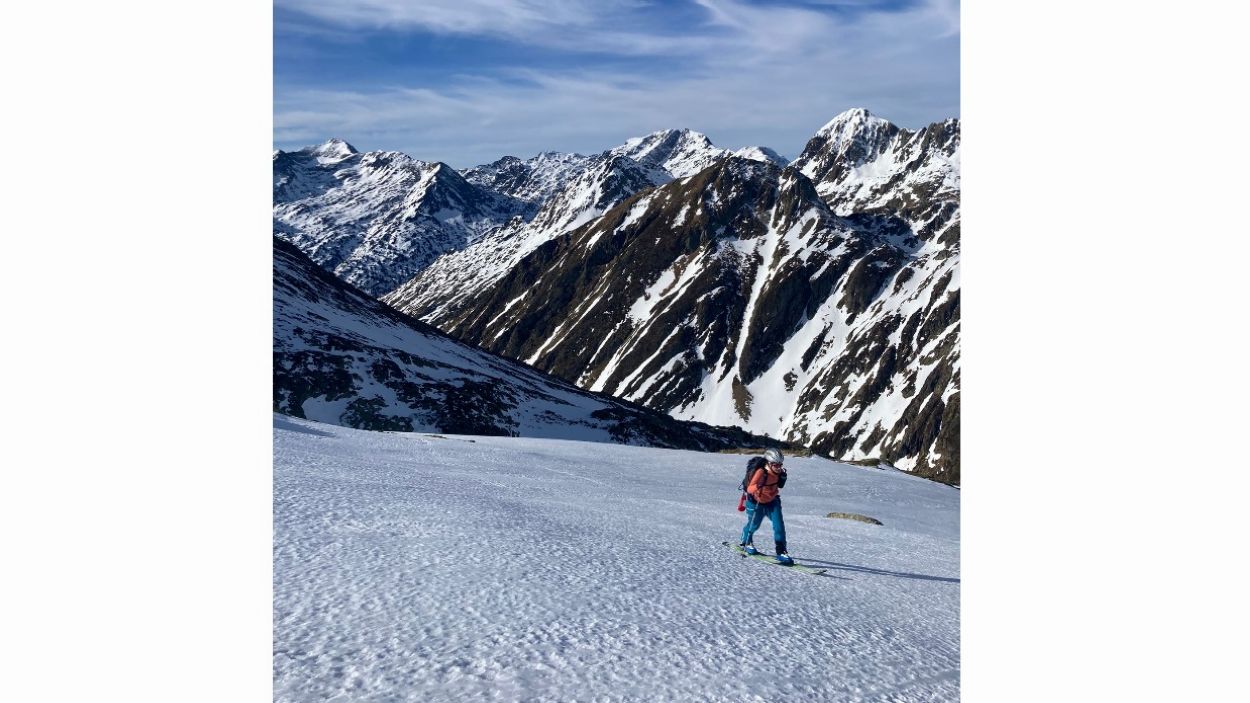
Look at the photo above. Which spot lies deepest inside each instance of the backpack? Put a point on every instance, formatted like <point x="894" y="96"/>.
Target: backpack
<point x="754" y="464"/>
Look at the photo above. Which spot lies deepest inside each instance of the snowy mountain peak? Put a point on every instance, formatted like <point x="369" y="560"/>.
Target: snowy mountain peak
<point x="559" y="156"/>
<point x="668" y="136"/>
<point x="438" y="168"/>
<point x="377" y="218"/>
<point x="333" y="148"/>
<point x="766" y="168"/>
<point x="851" y="121"/>
<point x="531" y="181"/>
<point x="853" y="138"/>
<point x="856" y="130"/>
<point x="761" y="153"/>
<point x="681" y="152"/>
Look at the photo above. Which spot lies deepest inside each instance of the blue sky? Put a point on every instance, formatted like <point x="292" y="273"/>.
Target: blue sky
<point x="468" y="81"/>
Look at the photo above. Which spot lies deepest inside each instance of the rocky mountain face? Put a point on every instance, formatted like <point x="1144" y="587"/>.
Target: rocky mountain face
<point x="817" y="302"/>
<point x="590" y="186"/>
<point x="862" y="163"/>
<point x="342" y="357"/>
<point x="532" y="181"/>
<point x="442" y="290"/>
<point x="378" y="218"/>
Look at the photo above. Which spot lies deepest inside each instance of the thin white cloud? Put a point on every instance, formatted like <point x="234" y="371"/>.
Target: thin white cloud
<point x="510" y="18"/>
<point x="624" y="27"/>
<point x="753" y="76"/>
<point x="630" y="27"/>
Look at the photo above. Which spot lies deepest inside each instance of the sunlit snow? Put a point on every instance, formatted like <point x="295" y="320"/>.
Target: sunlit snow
<point x="422" y="567"/>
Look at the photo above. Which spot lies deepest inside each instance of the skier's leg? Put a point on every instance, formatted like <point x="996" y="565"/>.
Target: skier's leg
<point x="755" y="516"/>
<point x="779" y="532"/>
<point x="779" y="523"/>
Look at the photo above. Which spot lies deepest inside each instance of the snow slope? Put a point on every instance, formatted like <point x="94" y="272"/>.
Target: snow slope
<point x="422" y="567"/>
<point x="339" y="356"/>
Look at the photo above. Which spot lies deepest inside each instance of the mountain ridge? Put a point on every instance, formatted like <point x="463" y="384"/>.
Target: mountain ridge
<point x="745" y="295"/>
<point x="815" y="301"/>
<point x="342" y="357"/>
<point x="375" y="219"/>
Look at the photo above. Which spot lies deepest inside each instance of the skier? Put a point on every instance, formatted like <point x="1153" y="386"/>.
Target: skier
<point x="763" y="499"/>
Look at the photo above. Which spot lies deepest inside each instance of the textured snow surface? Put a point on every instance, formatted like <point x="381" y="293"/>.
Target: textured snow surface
<point x="419" y="567"/>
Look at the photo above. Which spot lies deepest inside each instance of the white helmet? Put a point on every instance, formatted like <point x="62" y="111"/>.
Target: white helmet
<point x="773" y="456"/>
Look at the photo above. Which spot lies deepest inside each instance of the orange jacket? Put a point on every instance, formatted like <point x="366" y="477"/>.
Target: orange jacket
<point x="763" y="486"/>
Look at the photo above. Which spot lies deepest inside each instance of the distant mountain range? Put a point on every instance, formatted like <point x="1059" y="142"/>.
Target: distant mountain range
<point x="377" y="219"/>
<point x="815" y="301"/>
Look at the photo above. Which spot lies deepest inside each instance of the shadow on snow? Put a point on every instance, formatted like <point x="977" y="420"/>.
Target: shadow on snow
<point x="816" y="564"/>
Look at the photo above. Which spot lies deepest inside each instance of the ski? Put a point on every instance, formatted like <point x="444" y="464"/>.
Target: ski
<point x="768" y="559"/>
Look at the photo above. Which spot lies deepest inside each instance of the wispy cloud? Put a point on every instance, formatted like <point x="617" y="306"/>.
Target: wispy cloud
<point x="741" y="72"/>
<point x="467" y="16"/>
<point x="559" y="22"/>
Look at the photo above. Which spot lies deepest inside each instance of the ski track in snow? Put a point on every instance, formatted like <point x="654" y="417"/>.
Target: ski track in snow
<point x="418" y="567"/>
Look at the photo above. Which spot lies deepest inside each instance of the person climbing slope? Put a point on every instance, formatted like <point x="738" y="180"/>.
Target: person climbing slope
<point x="764" y="498"/>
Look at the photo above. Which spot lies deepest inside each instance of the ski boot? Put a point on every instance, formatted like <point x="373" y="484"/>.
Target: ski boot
<point x="783" y="558"/>
<point x="749" y="548"/>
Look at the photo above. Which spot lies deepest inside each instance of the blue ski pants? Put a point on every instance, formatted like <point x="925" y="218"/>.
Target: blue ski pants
<point x="755" y="517"/>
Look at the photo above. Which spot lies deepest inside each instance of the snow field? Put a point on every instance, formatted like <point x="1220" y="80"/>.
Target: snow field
<point x="420" y="567"/>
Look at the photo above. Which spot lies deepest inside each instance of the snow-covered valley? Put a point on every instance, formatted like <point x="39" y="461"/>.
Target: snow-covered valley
<point x="413" y="566"/>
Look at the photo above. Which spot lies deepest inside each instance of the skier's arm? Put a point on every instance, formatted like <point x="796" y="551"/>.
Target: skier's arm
<point x="756" y="481"/>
